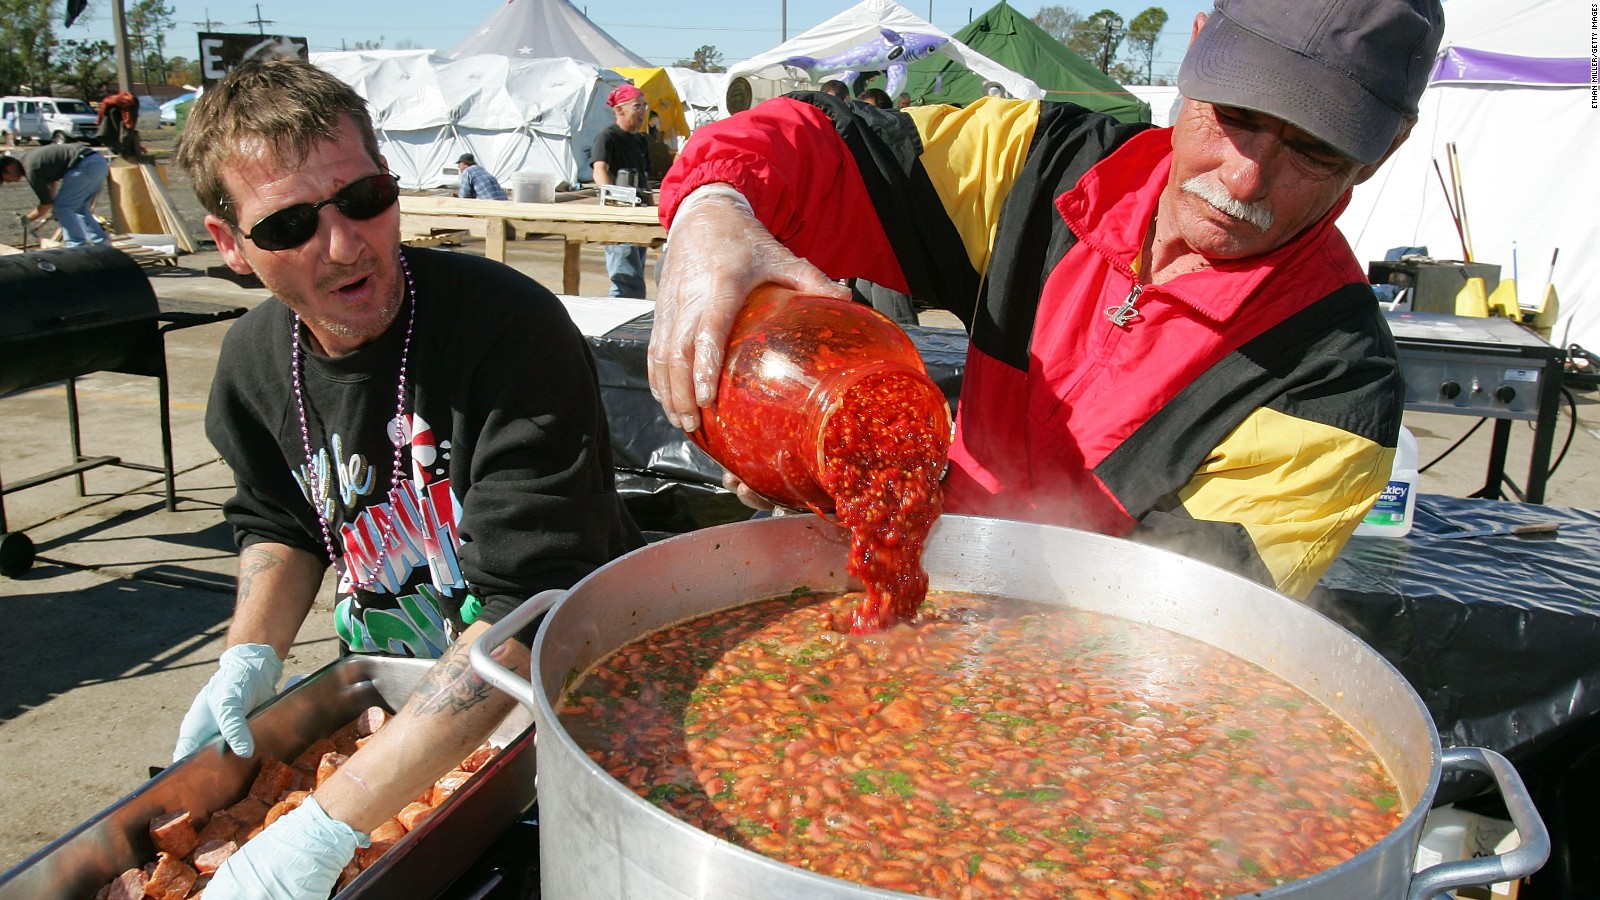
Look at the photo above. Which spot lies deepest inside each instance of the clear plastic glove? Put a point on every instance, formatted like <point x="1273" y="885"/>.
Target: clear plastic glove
<point x="247" y="676"/>
<point x="298" y="857"/>
<point x="717" y="253"/>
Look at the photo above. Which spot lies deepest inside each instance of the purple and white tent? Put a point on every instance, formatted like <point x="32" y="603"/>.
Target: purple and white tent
<point x="1512" y="90"/>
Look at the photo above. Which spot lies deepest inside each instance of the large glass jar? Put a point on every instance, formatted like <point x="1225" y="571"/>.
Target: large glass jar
<point x="793" y="361"/>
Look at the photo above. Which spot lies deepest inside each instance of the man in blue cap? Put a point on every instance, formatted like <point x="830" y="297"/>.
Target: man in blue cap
<point x="1170" y="340"/>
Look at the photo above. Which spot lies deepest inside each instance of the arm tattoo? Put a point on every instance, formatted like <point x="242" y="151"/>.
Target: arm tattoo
<point x="451" y="685"/>
<point x="253" y="562"/>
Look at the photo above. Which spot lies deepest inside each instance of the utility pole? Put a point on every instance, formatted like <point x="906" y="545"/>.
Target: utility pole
<point x="208" y="23"/>
<point x="259" y="22"/>
<point x="785" y="31"/>
<point x="119" y="29"/>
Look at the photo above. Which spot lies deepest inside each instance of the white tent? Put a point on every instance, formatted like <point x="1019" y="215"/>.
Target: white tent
<point x="513" y="115"/>
<point x="1511" y="90"/>
<point x="768" y="77"/>
<point x="544" y="29"/>
<point x="702" y="93"/>
<point x="1164" y="100"/>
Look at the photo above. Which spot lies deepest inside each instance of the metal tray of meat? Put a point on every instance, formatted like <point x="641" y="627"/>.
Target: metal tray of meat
<point x="425" y="862"/>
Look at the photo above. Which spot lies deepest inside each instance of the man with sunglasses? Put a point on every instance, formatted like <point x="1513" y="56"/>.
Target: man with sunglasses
<point x="429" y="423"/>
<point x="622" y="157"/>
<point x="1170" y="340"/>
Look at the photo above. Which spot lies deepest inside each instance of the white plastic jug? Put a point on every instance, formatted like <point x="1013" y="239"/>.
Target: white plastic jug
<point x="1392" y="515"/>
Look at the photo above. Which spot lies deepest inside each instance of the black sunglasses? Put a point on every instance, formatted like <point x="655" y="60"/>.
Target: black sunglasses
<point x="294" y="225"/>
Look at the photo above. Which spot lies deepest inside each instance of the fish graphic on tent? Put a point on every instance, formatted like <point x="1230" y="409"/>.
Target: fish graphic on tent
<point x="890" y="53"/>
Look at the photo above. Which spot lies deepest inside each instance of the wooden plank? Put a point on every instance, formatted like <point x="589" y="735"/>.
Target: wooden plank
<point x="173" y="222"/>
<point x="495" y="240"/>
<point x="576" y="211"/>
<point x="437" y="238"/>
<point x="571" y="274"/>
<point x="425" y="224"/>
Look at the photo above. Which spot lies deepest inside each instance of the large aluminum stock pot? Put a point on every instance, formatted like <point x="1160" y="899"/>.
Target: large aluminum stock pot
<point x="599" y="840"/>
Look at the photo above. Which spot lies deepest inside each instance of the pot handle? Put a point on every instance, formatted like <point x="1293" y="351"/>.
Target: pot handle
<point x="504" y="630"/>
<point x="1528" y="856"/>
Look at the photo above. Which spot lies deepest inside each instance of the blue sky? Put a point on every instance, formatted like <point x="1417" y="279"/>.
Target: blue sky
<point x="660" y="32"/>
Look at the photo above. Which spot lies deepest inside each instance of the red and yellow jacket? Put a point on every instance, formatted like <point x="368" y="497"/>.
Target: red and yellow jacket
<point x="1247" y="415"/>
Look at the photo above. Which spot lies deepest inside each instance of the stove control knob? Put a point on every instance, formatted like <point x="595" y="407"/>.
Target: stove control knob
<point x="1449" y="390"/>
<point x="1505" y="393"/>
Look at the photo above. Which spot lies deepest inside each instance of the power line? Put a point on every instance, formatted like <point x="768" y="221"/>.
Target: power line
<point x="212" y="25"/>
<point x="259" y="22"/>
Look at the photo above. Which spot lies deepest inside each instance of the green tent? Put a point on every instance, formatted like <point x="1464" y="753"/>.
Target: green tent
<point x="1012" y="40"/>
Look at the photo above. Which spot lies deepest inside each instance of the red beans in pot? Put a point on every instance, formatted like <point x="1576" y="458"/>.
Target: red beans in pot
<point x="994" y="748"/>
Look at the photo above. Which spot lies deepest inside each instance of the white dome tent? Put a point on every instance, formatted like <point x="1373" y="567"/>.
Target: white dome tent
<point x="513" y="115"/>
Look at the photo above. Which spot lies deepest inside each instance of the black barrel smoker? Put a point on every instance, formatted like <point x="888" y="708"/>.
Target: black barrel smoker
<point x="71" y="312"/>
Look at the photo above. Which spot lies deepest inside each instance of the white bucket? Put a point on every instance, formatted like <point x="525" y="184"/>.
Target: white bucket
<point x="531" y="186"/>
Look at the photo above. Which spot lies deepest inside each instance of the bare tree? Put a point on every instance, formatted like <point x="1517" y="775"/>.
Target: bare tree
<point x="1057" y="21"/>
<point x="1143" y="34"/>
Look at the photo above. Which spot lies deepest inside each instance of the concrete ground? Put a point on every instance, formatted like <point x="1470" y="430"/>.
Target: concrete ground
<point x="120" y="621"/>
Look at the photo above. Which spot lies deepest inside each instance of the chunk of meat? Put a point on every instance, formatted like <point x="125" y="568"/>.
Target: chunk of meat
<point x="329" y="764"/>
<point x="174" y="833"/>
<point x="479" y="758"/>
<point x="128" y="886"/>
<point x="413" y="815"/>
<point x="272" y="781"/>
<point x="370" y="720"/>
<point x="344" y="740"/>
<point x="307" y="761"/>
<point x="172" y="879"/>
<point x="448" y="784"/>
<point x="384" y="837"/>
<point x="222" y="827"/>
<point x="285" y="806"/>
<point x="208" y="857"/>
<point x="251" y="811"/>
<point x="390" y="830"/>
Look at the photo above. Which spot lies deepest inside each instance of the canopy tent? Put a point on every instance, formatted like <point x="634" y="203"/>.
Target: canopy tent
<point x="1164" y="100"/>
<point x="544" y="29"/>
<point x="662" y="96"/>
<point x="854" y="32"/>
<point x="1011" y="39"/>
<point x="702" y="93"/>
<point x="1512" y="91"/>
<point x="513" y="115"/>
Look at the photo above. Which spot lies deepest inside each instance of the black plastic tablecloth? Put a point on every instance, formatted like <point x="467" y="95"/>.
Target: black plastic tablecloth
<point x="1500" y="635"/>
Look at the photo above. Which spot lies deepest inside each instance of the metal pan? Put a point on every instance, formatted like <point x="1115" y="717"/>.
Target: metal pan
<point x="424" y="863"/>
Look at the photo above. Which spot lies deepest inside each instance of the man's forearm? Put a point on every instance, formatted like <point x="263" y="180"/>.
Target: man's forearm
<point x="277" y="585"/>
<point x="448" y="716"/>
<point x="602" y="173"/>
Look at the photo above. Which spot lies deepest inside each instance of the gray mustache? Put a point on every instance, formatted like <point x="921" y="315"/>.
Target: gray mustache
<point x="1257" y="214"/>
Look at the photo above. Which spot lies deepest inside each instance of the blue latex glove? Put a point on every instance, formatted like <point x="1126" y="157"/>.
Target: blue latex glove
<point x="247" y="676"/>
<point x="298" y="857"/>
